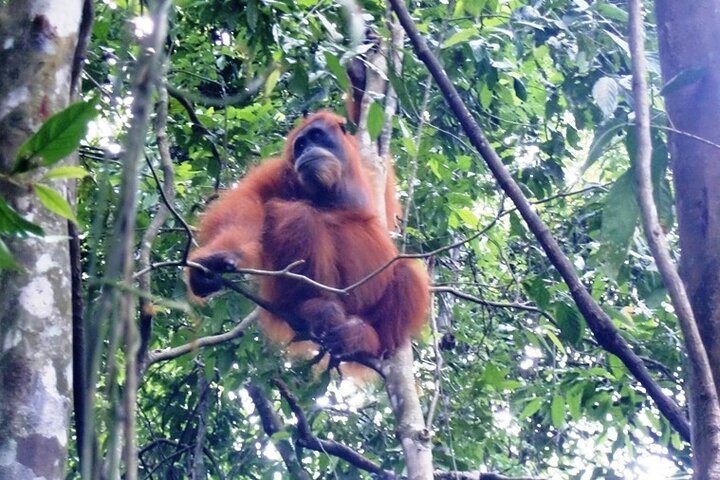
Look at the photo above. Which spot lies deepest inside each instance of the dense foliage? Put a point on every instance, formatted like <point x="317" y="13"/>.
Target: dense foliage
<point x="523" y="387"/>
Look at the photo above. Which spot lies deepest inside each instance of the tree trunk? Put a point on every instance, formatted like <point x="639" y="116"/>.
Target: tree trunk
<point x="38" y="39"/>
<point x="688" y="35"/>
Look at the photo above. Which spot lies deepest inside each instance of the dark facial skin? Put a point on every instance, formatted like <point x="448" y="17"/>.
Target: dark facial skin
<point x="319" y="159"/>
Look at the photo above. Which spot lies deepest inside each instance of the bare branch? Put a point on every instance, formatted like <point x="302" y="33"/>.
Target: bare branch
<point x="490" y="303"/>
<point x="169" y="204"/>
<point x="202" y="342"/>
<point x="167" y="191"/>
<point x="308" y="440"/>
<point x="598" y="321"/>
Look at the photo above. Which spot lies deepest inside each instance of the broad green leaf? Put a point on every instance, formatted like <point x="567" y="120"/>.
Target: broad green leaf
<point x="459" y="37"/>
<point x="11" y="223"/>
<point x="530" y="409"/>
<point x="556" y="341"/>
<point x="557" y="411"/>
<point x="605" y="93"/>
<point x="376" y="120"/>
<point x="520" y="90"/>
<point x="617" y="367"/>
<point x="612" y="12"/>
<point x="619" y="218"/>
<point x="280" y="435"/>
<point x="473" y="7"/>
<point x="603" y="136"/>
<point x="570" y="322"/>
<point x="53" y="201"/>
<point x="271" y="81"/>
<point x="337" y="71"/>
<point x="58" y="137"/>
<point x="493" y="376"/>
<point x="600" y="372"/>
<point x="6" y="259"/>
<point x="67" y="171"/>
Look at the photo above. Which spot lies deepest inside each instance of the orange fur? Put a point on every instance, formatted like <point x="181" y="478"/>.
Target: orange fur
<point x="268" y="221"/>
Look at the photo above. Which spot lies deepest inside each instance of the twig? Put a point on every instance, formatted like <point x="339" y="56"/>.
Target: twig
<point x="169" y="204"/>
<point x="210" y="136"/>
<point x="422" y="120"/>
<point x="597" y="320"/>
<point x="144" y="83"/>
<point x="307" y="439"/>
<point x="252" y="88"/>
<point x="236" y="332"/>
<point x="156" y="265"/>
<point x="490" y="303"/>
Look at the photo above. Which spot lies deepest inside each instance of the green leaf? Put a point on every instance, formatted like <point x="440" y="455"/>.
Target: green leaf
<point x="612" y="12"/>
<point x="271" y="81"/>
<point x="53" y="201"/>
<point x="603" y="136"/>
<point x="66" y="171"/>
<point x="58" y="137"/>
<point x="605" y="92"/>
<point x="459" y="37"/>
<point x="556" y="341"/>
<point x="493" y="376"/>
<point x="520" y="90"/>
<point x="337" y="71"/>
<point x="279" y="436"/>
<point x="574" y="403"/>
<point x="474" y="7"/>
<point x="11" y="223"/>
<point x="570" y="322"/>
<point x="619" y="218"/>
<point x="682" y="79"/>
<point x="530" y="409"/>
<point x="376" y="120"/>
<point x="6" y="259"/>
<point x="557" y="411"/>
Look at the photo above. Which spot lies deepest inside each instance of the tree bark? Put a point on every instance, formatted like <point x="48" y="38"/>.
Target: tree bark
<point x="38" y="40"/>
<point x="688" y="33"/>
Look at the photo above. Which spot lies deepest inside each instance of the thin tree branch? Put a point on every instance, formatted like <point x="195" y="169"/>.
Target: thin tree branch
<point x="597" y="320"/>
<point x="252" y="88"/>
<point x="169" y="204"/>
<point x="209" y="136"/>
<point x="167" y="192"/>
<point x="490" y="303"/>
<point x="145" y="78"/>
<point x="236" y="332"/>
<point x="307" y="439"/>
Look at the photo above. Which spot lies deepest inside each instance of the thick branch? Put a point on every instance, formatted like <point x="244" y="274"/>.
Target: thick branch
<point x="702" y="385"/>
<point x="600" y="324"/>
